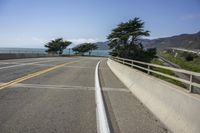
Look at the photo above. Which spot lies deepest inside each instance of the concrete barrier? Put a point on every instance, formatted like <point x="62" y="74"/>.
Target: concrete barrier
<point x="4" y="56"/>
<point x="177" y="109"/>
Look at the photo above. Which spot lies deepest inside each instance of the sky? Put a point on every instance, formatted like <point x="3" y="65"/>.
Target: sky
<point x="32" y="23"/>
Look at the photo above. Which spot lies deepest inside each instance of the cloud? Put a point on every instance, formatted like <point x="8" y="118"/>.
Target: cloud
<point x="149" y="37"/>
<point x="190" y="17"/>
<point x="76" y="41"/>
<point x="83" y="40"/>
<point x="38" y="42"/>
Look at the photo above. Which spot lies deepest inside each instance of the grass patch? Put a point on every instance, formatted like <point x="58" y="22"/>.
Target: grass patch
<point x="180" y="60"/>
<point x="165" y="71"/>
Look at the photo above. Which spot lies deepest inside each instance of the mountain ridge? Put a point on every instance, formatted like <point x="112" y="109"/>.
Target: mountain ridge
<point x="187" y="41"/>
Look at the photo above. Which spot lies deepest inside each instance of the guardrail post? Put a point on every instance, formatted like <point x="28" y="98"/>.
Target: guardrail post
<point x="123" y="61"/>
<point x="148" y="70"/>
<point x="190" y="87"/>
<point x="131" y="63"/>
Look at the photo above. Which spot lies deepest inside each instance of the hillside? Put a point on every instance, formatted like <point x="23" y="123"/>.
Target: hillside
<point x="187" y="41"/>
<point x="102" y="45"/>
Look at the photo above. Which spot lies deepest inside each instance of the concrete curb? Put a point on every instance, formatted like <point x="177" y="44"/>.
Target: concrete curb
<point x="177" y="109"/>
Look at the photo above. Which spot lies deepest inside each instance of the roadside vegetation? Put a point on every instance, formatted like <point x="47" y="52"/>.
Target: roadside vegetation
<point x="125" y="41"/>
<point x="84" y="48"/>
<point x="57" y="46"/>
<point x="169" y="72"/>
<point x="185" y="60"/>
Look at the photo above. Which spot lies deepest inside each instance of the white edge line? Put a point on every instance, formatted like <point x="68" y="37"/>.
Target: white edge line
<point x="102" y="120"/>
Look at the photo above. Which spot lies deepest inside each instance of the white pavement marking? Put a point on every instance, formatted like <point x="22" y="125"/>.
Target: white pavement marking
<point x="9" y="63"/>
<point x="18" y="61"/>
<point x="39" y="64"/>
<point x="116" y="89"/>
<point x="24" y="64"/>
<point x="102" y="120"/>
<point x="64" y="87"/>
<point x="67" y="87"/>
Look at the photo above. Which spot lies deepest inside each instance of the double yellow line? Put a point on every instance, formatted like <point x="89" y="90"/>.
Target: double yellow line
<point x="13" y="82"/>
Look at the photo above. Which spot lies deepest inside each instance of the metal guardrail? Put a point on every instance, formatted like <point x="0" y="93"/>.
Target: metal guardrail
<point x="195" y="51"/>
<point x="148" y="67"/>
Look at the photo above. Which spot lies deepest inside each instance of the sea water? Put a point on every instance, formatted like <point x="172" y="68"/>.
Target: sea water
<point x="42" y="50"/>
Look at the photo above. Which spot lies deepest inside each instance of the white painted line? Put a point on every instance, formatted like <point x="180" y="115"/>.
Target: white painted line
<point x="8" y="63"/>
<point x="18" y="61"/>
<point x="39" y="64"/>
<point x="102" y="120"/>
<point x="116" y="89"/>
<point x="67" y="87"/>
<point x="24" y="64"/>
<point x="56" y="87"/>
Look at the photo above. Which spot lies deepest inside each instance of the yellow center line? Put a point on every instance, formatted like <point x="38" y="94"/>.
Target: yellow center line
<point x="18" y="80"/>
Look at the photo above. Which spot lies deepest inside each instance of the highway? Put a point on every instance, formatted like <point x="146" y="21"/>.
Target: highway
<point x="57" y="95"/>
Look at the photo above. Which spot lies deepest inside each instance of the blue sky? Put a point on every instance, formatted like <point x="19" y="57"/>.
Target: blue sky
<point x="31" y="23"/>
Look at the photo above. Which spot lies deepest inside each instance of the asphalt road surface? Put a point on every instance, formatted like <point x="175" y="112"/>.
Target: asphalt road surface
<point x="47" y="97"/>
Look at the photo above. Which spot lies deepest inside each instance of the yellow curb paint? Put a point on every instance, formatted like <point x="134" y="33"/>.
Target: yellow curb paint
<point x="18" y="80"/>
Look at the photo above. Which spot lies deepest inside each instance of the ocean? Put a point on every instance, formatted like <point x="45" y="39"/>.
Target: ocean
<point x="42" y="50"/>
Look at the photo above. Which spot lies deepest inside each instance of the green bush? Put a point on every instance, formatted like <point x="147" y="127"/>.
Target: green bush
<point x="189" y="57"/>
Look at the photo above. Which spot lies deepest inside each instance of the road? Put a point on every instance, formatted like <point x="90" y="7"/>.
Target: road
<point x="59" y="97"/>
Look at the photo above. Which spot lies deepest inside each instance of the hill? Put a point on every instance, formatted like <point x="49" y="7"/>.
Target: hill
<point x="187" y="41"/>
<point x="102" y="45"/>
